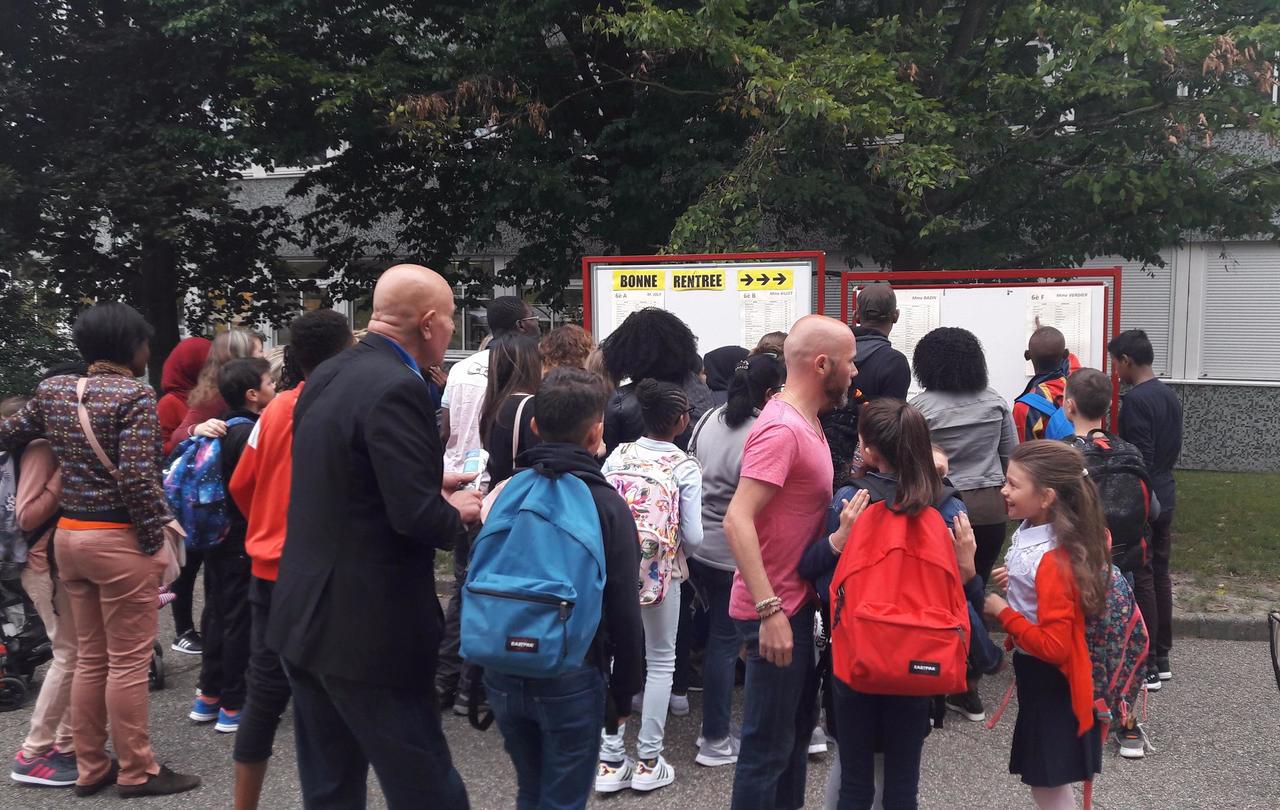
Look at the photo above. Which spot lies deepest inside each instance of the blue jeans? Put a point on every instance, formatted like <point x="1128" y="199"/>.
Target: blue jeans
<point x="722" y="649"/>
<point x="869" y="724"/>
<point x="777" y="721"/>
<point x="551" y="728"/>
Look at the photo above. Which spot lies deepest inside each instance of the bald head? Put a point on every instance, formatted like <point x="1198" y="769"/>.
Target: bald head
<point x="1046" y="349"/>
<point x="413" y="305"/>
<point x="819" y="353"/>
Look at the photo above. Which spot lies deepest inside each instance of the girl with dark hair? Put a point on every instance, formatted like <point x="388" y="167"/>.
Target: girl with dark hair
<point x="663" y="487"/>
<point x="972" y="424"/>
<point x="717" y="443"/>
<point x="894" y="441"/>
<point x="111" y="547"/>
<point x="650" y="344"/>
<point x="515" y="371"/>
<point x="1056" y="574"/>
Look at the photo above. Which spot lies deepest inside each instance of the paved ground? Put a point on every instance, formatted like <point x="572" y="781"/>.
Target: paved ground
<point x="1214" y="728"/>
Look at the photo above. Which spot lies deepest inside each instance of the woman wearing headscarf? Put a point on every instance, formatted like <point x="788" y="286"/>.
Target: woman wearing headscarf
<point x="181" y="371"/>
<point x="719" y="366"/>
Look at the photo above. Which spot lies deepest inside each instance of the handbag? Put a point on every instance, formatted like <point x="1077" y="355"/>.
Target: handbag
<point x="174" y="536"/>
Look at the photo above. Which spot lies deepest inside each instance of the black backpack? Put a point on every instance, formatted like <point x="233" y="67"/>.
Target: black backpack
<point x="1120" y="473"/>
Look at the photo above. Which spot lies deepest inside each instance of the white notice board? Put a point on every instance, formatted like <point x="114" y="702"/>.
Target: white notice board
<point x="1003" y="318"/>
<point x="725" y="304"/>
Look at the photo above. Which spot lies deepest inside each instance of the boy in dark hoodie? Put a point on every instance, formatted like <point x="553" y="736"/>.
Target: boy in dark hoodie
<point x="246" y="386"/>
<point x="551" y="726"/>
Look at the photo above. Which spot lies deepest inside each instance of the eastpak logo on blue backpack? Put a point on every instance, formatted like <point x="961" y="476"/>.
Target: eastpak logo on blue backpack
<point x="1059" y="426"/>
<point x="194" y="488"/>
<point x="535" y="585"/>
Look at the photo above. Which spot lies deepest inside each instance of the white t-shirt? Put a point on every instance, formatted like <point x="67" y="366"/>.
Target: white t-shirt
<point x="464" y="399"/>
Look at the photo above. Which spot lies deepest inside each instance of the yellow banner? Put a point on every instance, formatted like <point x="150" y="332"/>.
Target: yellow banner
<point x="638" y="280"/>
<point x="765" y="278"/>
<point x="692" y="280"/>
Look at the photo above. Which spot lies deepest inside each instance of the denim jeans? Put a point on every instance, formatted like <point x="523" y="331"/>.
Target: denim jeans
<point x="660" y="626"/>
<point x="777" y="720"/>
<point x="549" y="727"/>
<point x="870" y="723"/>
<point x="722" y="649"/>
<point x="343" y="726"/>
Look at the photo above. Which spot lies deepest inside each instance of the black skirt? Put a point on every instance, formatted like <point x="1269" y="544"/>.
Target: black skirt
<point x="1046" y="751"/>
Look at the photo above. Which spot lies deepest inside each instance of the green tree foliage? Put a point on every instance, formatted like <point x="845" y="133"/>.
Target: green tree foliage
<point x="116" y="153"/>
<point x="33" y="337"/>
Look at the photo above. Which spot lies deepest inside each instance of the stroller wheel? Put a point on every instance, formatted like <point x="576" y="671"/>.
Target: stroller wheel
<point x="155" y="677"/>
<point x="13" y="691"/>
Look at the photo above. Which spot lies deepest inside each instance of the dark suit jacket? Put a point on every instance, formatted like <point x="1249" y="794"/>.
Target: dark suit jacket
<point x="356" y="596"/>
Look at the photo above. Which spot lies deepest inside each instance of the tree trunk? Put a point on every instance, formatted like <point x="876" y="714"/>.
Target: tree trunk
<point x="160" y="301"/>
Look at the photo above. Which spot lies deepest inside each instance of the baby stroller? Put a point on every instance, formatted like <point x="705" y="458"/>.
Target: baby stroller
<point x="24" y="645"/>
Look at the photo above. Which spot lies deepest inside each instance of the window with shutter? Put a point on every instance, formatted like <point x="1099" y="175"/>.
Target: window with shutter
<point x="1146" y="302"/>
<point x="1241" y="336"/>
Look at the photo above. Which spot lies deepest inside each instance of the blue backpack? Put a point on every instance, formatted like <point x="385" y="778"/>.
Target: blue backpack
<point x="1059" y="426"/>
<point x="194" y="488"/>
<point x="535" y="585"/>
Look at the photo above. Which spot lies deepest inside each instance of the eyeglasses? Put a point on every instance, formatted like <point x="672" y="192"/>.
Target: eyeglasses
<point x="530" y="318"/>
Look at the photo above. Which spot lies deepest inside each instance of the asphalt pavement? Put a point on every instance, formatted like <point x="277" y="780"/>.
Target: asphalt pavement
<point x="1214" y="728"/>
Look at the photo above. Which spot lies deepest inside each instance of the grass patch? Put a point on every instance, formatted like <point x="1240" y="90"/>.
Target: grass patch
<point x="1227" y="525"/>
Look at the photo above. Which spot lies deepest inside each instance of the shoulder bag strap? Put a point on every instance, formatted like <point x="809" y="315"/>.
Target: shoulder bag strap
<point x="515" y="432"/>
<point x="87" y="427"/>
<point x="697" y="429"/>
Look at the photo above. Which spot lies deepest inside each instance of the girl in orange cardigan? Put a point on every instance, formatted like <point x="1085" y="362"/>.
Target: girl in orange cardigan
<point x="1055" y="575"/>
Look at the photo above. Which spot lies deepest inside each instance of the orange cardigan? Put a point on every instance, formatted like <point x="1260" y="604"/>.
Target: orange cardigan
<point x="1058" y="638"/>
<point x="261" y="483"/>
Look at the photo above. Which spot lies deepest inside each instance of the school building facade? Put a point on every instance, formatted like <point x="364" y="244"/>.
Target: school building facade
<point x="1212" y="313"/>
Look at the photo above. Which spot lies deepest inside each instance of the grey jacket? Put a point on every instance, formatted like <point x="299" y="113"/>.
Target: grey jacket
<point x="976" y="432"/>
<point x="718" y="448"/>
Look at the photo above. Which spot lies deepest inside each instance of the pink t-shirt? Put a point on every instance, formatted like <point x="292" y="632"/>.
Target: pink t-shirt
<point x="786" y="451"/>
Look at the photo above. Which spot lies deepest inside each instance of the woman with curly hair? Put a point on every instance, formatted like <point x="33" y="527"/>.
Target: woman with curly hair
<point x="971" y="422"/>
<point x="565" y="346"/>
<point x="650" y="344"/>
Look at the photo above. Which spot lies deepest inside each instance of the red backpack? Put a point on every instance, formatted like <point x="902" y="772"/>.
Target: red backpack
<point x="900" y="622"/>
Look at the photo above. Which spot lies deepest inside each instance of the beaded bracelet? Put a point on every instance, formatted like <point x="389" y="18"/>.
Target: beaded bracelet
<point x="769" y="611"/>
<point x="765" y="604"/>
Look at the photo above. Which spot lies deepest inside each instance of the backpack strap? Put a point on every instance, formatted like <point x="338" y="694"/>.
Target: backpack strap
<point x="1038" y="401"/>
<point x="87" y="427"/>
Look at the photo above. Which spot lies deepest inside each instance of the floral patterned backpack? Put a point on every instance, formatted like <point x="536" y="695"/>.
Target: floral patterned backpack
<point x="648" y="485"/>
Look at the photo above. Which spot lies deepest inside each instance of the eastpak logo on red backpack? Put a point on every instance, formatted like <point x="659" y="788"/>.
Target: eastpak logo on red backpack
<point x="925" y="668"/>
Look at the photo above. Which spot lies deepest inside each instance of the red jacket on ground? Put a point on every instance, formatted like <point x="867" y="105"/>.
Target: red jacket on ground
<point x="261" y="483"/>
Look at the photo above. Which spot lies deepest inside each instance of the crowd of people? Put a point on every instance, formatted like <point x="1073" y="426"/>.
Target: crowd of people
<point x="715" y="520"/>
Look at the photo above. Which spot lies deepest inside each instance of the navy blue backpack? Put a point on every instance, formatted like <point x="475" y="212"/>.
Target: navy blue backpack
<point x="535" y="586"/>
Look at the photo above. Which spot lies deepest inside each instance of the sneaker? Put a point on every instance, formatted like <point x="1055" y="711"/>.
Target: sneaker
<point x="713" y="754"/>
<point x="614" y="776"/>
<point x="84" y="791"/>
<point x="818" y="741"/>
<point x="651" y="777"/>
<point x="968" y="705"/>
<point x="1133" y="742"/>
<point x="1153" y="682"/>
<point x="189" y="643"/>
<point x="51" y="770"/>
<point x="164" y="783"/>
<point x="228" y="722"/>
<point x="679" y="705"/>
<point x="203" y="711"/>
<point x="1162" y="666"/>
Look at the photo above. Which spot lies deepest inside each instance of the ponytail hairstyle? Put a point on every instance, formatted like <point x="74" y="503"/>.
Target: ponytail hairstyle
<point x="1078" y="520"/>
<point x="661" y="404"/>
<point x="750" y="387"/>
<point x="233" y="344"/>
<point x="899" y="433"/>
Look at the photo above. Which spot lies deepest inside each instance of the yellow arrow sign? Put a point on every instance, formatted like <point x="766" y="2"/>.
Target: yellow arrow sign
<point x="765" y="278"/>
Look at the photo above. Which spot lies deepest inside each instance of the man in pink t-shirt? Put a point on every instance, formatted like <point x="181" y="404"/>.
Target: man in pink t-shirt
<point x="779" y="508"/>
